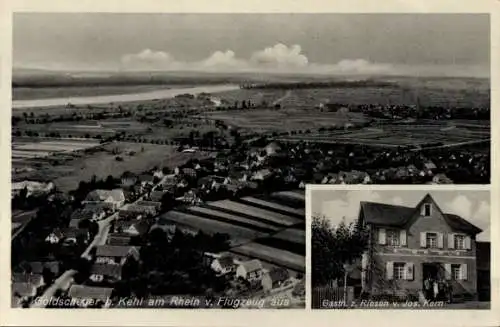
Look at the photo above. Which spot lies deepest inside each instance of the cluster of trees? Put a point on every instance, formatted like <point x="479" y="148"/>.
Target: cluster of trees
<point x="84" y="188"/>
<point x="333" y="247"/>
<point x="30" y="244"/>
<point x="318" y="85"/>
<point x="175" y="264"/>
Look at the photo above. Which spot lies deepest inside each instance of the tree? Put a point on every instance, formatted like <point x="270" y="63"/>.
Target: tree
<point x="332" y="247"/>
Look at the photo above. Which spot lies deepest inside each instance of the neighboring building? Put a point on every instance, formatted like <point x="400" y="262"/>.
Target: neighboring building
<point x="83" y="294"/>
<point x="223" y="265"/>
<point x="250" y="270"/>
<point x="33" y="279"/>
<point x="275" y="278"/>
<point x="146" y="180"/>
<point x="142" y="210"/>
<point x="23" y="291"/>
<point x="441" y="179"/>
<point x="128" y="179"/>
<point x="483" y="259"/>
<point x="272" y="148"/>
<point x="32" y="187"/>
<point x="73" y="235"/>
<point x="118" y="239"/>
<point x="154" y="204"/>
<point x="115" y="254"/>
<point x="262" y="175"/>
<point x="131" y="227"/>
<point x="37" y="267"/>
<point x="113" y="199"/>
<point x="409" y="244"/>
<point x="157" y="196"/>
<point x="102" y="272"/>
<point x="55" y="237"/>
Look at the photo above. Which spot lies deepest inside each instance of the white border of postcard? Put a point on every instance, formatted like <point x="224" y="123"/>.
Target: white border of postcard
<point x="300" y="317"/>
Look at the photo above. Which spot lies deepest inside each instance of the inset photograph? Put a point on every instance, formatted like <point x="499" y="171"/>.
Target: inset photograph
<point x="400" y="248"/>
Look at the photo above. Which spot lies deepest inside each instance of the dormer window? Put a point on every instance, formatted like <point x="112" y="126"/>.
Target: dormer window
<point x="426" y="210"/>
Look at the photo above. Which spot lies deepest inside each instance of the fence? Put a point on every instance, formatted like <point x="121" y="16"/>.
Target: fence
<point x="331" y="297"/>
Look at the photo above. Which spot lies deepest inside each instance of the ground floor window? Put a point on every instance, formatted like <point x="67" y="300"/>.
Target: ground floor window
<point x="456" y="272"/>
<point x="399" y="270"/>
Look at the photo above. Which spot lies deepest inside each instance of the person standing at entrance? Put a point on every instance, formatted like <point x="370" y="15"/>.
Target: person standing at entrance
<point x="428" y="288"/>
<point x="435" y="288"/>
<point x="449" y="291"/>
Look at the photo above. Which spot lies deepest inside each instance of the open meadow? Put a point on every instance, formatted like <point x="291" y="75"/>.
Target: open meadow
<point x="110" y="159"/>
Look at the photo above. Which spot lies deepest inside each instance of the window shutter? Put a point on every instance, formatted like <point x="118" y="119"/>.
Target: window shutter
<point x="423" y="239"/>
<point x="381" y="236"/>
<point x="463" y="273"/>
<point x="389" y="270"/>
<point x="467" y="242"/>
<point x="422" y="210"/>
<point x="451" y="241"/>
<point x="402" y="237"/>
<point x="409" y="271"/>
<point x="447" y="270"/>
<point x="440" y="240"/>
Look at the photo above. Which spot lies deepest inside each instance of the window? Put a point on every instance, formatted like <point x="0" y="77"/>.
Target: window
<point x="399" y="270"/>
<point x="459" y="242"/>
<point x="427" y="209"/>
<point x="456" y="272"/>
<point x="431" y="239"/>
<point x="393" y="237"/>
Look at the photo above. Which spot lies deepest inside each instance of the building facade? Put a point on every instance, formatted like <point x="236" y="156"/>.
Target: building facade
<point x="408" y="245"/>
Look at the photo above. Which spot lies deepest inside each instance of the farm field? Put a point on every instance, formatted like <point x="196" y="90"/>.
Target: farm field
<point x="271" y="120"/>
<point x="238" y="234"/>
<point x="235" y="219"/>
<point x="67" y="171"/>
<point x="276" y="206"/>
<point x="91" y="128"/>
<point x="273" y="240"/>
<point x="256" y="212"/>
<point x="27" y="149"/>
<point x="273" y="255"/>
<point x="402" y="135"/>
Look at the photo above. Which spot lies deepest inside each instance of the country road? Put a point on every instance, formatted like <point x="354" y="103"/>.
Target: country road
<point x="287" y="95"/>
<point x="64" y="281"/>
<point x="61" y="283"/>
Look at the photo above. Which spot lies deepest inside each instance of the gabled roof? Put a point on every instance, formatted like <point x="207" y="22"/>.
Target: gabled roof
<point x="106" y="270"/>
<point x="38" y="266"/>
<point x="397" y="215"/>
<point x="226" y="261"/>
<point x="113" y="250"/>
<point x="72" y="232"/>
<point x="278" y="275"/>
<point x="115" y="195"/>
<point x="87" y="292"/>
<point x="34" y="279"/>
<point x="140" y="225"/>
<point x="252" y="265"/>
<point x="23" y="289"/>
<point x="119" y="239"/>
<point x="146" y="178"/>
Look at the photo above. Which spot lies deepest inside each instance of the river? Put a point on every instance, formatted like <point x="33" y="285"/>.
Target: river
<point x="130" y="97"/>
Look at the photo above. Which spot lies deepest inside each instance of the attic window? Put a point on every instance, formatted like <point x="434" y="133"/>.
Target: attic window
<point x="427" y="210"/>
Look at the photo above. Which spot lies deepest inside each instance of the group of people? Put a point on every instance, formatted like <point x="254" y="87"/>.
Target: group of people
<point x="437" y="290"/>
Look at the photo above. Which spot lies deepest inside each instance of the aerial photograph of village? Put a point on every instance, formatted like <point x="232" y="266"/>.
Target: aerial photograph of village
<point x="161" y="160"/>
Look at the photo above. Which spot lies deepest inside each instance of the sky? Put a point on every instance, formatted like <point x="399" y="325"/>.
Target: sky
<point x="443" y="44"/>
<point x="473" y="206"/>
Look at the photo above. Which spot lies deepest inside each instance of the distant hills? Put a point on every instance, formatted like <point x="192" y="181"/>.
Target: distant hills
<point x="37" y="78"/>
